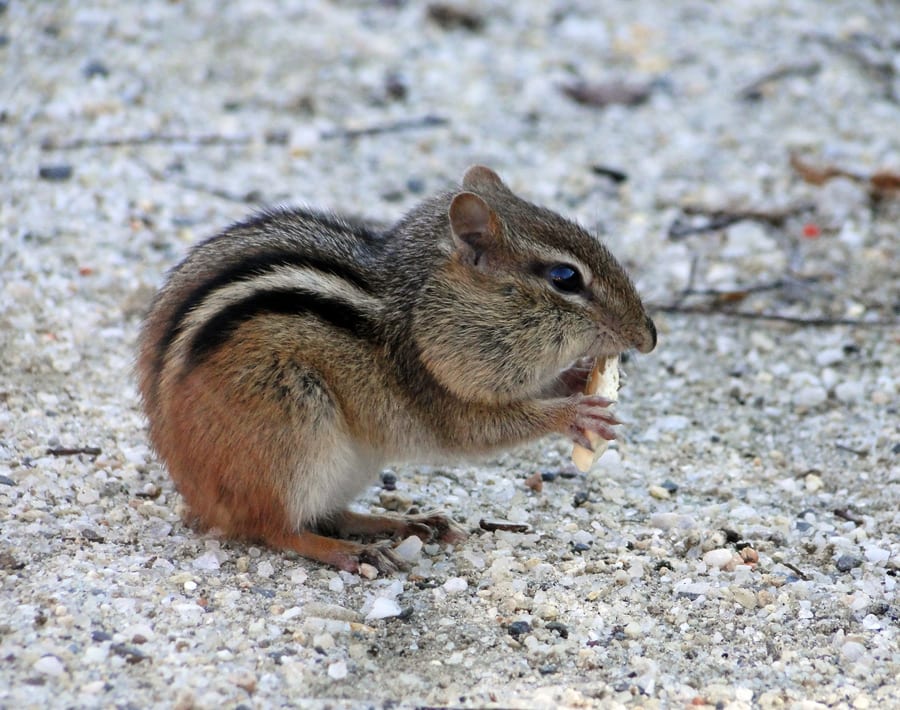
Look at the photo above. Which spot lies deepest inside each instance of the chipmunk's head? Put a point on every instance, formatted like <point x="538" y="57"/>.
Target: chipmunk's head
<point x="524" y="293"/>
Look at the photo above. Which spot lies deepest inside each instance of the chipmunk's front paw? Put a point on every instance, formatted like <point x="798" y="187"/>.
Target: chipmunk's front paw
<point x="592" y="415"/>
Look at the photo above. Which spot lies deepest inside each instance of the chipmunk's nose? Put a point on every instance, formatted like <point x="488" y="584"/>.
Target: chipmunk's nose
<point x="648" y="337"/>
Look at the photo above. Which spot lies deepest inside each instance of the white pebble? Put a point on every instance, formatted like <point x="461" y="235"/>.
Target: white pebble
<point x="849" y="391"/>
<point x="669" y="521"/>
<point x="719" y="558"/>
<point x="324" y="641"/>
<point x="336" y="584"/>
<point x="583" y="537"/>
<point x="633" y="630"/>
<point x="265" y="569"/>
<point x="673" y="422"/>
<point x="853" y="651"/>
<point x="383" y="608"/>
<point x="88" y="496"/>
<point x="49" y="665"/>
<point x="454" y="585"/>
<point x="337" y="670"/>
<point x="208" y="561"/>
<point x="659" y="493"/>
<point x="410" y="549"/>
<point x="298" y="575"/>
<point x="877" y="554"/>
<point x="829" y="356"/>
<point x="809" y="396"/>
<point x="368" y="571"/>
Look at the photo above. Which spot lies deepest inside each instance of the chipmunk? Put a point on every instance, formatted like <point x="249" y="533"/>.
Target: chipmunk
<point x="290" y="358"/>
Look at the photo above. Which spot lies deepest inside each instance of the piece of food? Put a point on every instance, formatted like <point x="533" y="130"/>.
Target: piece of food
<point x="603" y="380"/>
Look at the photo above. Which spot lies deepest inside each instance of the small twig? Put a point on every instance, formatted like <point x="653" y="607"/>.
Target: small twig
<point x="736" y="293"/>
<point x="254" y="197"/>
<point x="404" y="124"/>
<point x="876" y="59"/>
<point x="692" y="278"/>
<point x="74" y="451"/>
<point x="849" y="515"/>
<point x="796" y="570"/>
<point x="614" y="174"/>
<point x="492" y="525"/>
<point x="753" y="90"/>
<point x="813" y="322"/>
<point x="679" y="229"/>
<point x="145" y="139"/>
<point x="862" y="453"/>
<point x="880" y="183"/>
<point x="721" y="217"/>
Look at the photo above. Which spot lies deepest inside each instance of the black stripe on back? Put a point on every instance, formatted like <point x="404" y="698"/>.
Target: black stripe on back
<point x="245" y="270"/>
<point x="216" y="331"/>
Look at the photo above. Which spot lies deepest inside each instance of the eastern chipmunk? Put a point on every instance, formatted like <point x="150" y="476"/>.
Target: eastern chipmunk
<point x="290" y="358"/>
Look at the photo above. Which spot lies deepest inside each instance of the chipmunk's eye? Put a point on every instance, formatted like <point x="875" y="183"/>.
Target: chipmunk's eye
<point x="565" y="278"/>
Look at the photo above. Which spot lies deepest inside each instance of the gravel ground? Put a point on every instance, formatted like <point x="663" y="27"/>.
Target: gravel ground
<point x="738" y="546"/>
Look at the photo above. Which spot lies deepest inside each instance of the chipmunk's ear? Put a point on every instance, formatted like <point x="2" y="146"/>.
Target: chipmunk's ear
<point x="480" y="176"/>
<point x="474" y="225"/>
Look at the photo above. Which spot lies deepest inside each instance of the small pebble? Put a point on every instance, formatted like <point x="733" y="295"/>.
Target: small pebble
<point x="745" y="597"/>
<point x="95" y="68"/>
<point x="845" y="563"/>
<point x="55" y="173"/>
<point x="719" y="558"/>
<point x="813" y="482"/>
<point x="517" y="628"/>
<point x="659" y="493"/>
<point x="633" y="630"/>
<point x="337" y="670"/>
<point x="383" y="608"/>
<point x="389" y="481"/>
<point x="535" y="482"/>
<point x="559" y="628"/>
<point x="394" y="500"/>
<point x="853" y="650"/>
<point x="829" y="357"/>
<point x="367" y="571"/>
<point x="49" y="665"/>
<point x="809" y="397"/>
<point x="410" y="549"/>
<point x="208" y="561"/>
<point x="877" y="555"/>
<point x="455" y="585"/>
<point x="749" y="555"/>
<point x="670" y="486"/>
<point x="850" y="391"/>
<point x="548" y="476"/>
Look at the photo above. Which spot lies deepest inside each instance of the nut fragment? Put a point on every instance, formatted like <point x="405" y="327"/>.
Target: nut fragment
<point x="603" y="380"/>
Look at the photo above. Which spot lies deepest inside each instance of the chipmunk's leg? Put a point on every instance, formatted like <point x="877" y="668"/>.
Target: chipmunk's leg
<point x="431" y="525"/>
<point x="342" y="554"/>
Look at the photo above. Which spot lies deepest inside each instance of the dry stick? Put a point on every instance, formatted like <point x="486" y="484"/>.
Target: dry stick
<point x="404" y="124"/>
<point x="849" y="515"/>
<point x="253" y="197"/>
<point x="145" y="139"/>
<point x="492" y="526"/>
<point x="815" y="321"/>
<point x="74" y="451"/>
<point x="721" y="217"/>
<point x="753" y="90"/>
